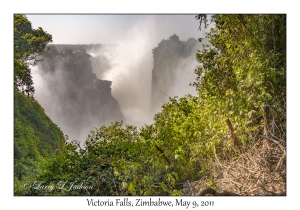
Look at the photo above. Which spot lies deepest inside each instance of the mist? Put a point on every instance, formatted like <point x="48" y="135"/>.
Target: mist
<point x="128" y="62"/>
<point x="131" y="63"/>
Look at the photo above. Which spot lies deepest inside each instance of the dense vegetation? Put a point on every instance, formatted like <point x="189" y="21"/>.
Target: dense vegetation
<point x="29" y="45"/>
<point x="35" y="135"/>
<point x="241" y="80"/>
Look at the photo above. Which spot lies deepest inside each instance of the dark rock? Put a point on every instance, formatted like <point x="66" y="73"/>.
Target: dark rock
<point x="76" y="99"/>
<point x="167" y="56"/>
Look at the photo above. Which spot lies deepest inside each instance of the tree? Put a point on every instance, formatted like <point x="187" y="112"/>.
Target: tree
<point x="29" y="45"/>
<point x="244" y="68"/>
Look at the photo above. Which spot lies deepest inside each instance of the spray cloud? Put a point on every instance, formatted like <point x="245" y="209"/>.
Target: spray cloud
<point x="129" y="64"/>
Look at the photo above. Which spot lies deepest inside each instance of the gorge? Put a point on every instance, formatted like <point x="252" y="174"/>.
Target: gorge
<point x="81" y="86"/>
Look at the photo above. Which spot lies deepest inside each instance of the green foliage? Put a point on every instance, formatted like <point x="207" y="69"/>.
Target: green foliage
<point x="116" y="160"/>
<point x="35" y="137"/>
<point x="243" y="69"/>
<point x="29" y="45"/>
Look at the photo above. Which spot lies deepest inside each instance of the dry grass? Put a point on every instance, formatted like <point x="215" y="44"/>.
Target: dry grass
<point x="258" y="171"/>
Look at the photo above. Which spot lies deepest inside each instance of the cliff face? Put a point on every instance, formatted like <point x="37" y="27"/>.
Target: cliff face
<point x="72" y="95"/>
<point x="174" y="64"/>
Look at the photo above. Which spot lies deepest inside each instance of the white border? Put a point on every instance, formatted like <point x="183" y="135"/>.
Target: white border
<point x="153" y="7"/>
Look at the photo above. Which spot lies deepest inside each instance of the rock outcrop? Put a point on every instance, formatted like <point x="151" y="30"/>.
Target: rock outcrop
<point x="171" y="58"/>
<point x="72" y="95"/>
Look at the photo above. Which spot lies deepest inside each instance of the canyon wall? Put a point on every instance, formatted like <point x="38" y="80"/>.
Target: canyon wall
<point x="71" y="94"/>
<point x="173" y="70"/>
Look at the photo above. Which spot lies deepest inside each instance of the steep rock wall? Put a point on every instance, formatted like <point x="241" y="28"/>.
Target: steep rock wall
<point x="72" y="95"/>
<point x="173" y="67"/>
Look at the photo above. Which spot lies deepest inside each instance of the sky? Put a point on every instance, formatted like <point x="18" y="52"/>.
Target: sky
<point x="109" y="29"/>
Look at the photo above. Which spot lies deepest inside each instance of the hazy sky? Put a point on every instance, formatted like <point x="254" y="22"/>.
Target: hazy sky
<point x="109" y="29"/>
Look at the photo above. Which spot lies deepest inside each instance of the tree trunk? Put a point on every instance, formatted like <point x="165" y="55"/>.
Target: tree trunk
<point x="236" y="141"/>
<point x="266" y="123"/>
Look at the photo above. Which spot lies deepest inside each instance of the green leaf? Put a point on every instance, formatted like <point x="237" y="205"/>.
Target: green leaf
<point x="132" y="186"/>
<point x="164" y="186"/>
